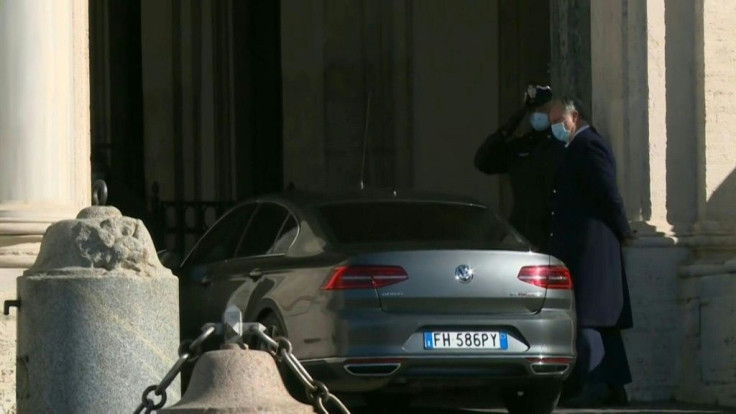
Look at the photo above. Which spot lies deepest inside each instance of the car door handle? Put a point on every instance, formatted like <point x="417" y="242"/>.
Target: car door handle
<point x="206" y="280"/>
<point x="254" y="274"/>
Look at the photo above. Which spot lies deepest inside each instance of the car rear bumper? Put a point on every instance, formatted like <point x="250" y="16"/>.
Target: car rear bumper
<point x="380" y="350"/>
<point x="419" y="373"/>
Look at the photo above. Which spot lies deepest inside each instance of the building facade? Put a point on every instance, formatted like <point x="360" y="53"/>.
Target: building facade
<point x="186" y="106"/>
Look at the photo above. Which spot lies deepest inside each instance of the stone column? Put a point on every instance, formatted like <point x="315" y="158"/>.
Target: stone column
<point x="629" y="102"/>
<point x="629" y="107"/>
<point x="44" y="121"/>
<point x="611" y="55"/>
<point x="44" y="139"/>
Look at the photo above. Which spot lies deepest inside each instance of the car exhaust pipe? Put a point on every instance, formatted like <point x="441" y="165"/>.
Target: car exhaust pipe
<point x="549" y="365"/>
<point x="372" y="367"/>
<point x="549" y="368"/>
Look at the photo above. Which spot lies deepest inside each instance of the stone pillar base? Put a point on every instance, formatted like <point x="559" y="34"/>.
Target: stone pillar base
<point x="19" y="251"/>
<point x="651" y="229"/>
<point x="708" y="307"/>
<point x="654" y="344"/>
<point x="22" y="227"/>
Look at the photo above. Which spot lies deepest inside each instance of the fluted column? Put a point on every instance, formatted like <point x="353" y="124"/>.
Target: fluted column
<point x="629" y="103"/>
<point x="630" y="107"/>
<point x="44" y="121"/>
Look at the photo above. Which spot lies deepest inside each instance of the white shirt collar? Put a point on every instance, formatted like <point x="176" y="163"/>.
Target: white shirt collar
<point x="576" y="134"/>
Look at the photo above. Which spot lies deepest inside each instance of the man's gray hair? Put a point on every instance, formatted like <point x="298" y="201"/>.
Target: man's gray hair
<point x="570" y="103"/>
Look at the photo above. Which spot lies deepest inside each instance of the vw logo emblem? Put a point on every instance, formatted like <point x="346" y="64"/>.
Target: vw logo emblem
<point x="464" y="274"/>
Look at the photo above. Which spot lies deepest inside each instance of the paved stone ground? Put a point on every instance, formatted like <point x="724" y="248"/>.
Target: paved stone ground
<point x="442" y="403"/>
<point x="642" y="408"/>
<point x="662" y="408"/>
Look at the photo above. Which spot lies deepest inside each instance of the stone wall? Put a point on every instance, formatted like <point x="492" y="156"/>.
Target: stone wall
<point x="656" y="340"/>
<point x="708" y="352"/>
<point x="433" y="86"/>
<point x="455" y="94"/>
<point x="347" y="87"/>
<point x="682" y="343"/>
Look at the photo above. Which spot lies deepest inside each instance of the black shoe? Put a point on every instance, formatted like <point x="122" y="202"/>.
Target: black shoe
<point x="592" y="396"/>
<point x="618" y="396"/>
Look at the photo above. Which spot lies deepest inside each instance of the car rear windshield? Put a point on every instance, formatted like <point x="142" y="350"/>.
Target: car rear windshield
<point x="425" y="223"/>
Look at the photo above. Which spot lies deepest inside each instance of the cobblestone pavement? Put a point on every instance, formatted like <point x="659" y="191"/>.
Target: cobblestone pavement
<point x="443" y="404"/>
<point x="648" y="408"/>
<point x="668" y="408"/>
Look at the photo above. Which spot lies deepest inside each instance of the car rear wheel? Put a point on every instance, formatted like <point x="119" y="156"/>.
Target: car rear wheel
<point x="274" y="329"/>
<point x="532" y="399"/>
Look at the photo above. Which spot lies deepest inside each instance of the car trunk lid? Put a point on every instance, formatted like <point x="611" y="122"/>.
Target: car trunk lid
<point x="458" y="281"/>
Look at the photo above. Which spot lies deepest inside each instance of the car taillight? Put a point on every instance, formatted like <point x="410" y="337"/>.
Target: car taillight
<point x="550" y="277"/>
<point x="365" y="277"/>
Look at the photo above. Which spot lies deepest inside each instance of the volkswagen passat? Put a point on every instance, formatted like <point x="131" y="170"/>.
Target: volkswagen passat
<point x="391" y="294"/>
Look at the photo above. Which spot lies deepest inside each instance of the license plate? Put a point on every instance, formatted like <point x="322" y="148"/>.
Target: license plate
<point x="465" y="340"/>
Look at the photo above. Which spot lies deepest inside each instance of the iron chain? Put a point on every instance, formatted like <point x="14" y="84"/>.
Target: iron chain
<point x="280" y="348"/>
<point x="188" y="351"/>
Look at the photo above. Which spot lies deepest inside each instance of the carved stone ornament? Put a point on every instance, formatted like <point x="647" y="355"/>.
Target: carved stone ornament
<point x="99" y="241"/>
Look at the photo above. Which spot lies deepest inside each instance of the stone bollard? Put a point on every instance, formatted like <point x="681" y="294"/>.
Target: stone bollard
<point x="236" y="381"/>
<point x="98" y="320"/>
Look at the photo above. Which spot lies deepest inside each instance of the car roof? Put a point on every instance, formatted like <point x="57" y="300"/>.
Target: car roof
<point x="305" y="199"/>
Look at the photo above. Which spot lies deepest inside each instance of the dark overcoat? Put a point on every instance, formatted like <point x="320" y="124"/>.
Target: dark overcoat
<point x="588" y="225"/>
<point x="530" y="162"/>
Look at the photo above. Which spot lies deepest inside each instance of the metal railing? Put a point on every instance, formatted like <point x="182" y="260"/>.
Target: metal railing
<point x="186" y="221"/>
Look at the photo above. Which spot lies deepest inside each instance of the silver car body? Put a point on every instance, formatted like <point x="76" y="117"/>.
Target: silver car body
<point x="363" y="339"/>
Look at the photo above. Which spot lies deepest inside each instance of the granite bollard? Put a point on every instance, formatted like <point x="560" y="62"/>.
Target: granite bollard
<point x="98" y="320"/>
<point x="236" y="381"/>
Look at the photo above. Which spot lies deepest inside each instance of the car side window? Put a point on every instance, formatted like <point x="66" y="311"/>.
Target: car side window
<point x="263" y="230"/>
<point x="289" y="230"/>
<point x="219" y="243"/>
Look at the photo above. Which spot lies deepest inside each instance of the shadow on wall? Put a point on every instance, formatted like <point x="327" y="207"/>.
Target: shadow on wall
<point x="721" y="206"/>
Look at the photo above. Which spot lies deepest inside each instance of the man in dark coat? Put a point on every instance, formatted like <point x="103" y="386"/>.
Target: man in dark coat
<point x="530" y="160"/>
<point x="588" y="227"/>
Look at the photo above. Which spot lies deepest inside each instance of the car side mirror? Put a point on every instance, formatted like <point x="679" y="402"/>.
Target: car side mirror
<point x="169" y="259"/>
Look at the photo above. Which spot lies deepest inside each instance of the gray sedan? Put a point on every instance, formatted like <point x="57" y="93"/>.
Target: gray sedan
<point x="390" y="295"/>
